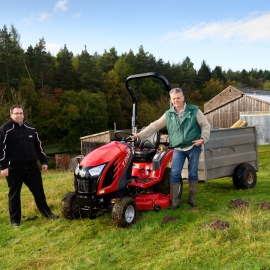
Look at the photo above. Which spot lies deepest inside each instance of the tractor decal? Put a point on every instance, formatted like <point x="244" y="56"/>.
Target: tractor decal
<point x="126" y="159"/>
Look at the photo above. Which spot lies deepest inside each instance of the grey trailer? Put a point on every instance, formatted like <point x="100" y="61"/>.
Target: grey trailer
<point x="230" y="152"/>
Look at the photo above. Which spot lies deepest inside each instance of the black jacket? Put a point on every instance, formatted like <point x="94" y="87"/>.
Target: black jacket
<point x="20" y="146"/>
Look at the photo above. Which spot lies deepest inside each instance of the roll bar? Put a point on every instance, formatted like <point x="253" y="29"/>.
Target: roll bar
<point x="133" y="96"/>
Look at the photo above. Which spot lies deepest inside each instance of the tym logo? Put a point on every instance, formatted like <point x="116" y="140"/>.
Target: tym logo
<point x="125" y="161"/>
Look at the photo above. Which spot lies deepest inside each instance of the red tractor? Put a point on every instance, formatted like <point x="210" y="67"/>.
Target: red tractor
<point x="124" y="175"/>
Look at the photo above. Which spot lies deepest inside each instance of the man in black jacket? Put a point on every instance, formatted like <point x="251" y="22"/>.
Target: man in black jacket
<point x="20" y="148"/>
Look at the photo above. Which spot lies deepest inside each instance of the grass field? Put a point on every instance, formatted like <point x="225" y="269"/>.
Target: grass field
<point x="214" y="235"/>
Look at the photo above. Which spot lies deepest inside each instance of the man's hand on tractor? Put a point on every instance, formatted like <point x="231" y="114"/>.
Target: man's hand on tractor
<point x="135" y="136"/>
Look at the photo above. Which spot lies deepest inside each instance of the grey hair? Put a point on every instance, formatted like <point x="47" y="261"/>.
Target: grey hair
<point x="176" y="90"/>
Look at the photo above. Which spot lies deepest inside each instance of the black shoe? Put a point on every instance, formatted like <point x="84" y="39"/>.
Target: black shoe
<point x="16" y="224"/>
<point x="52" y="216"/>
<point x="47" y="213"/>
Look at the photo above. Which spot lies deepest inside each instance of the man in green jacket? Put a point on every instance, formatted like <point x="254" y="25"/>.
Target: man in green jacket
<point x="188" y="129"/>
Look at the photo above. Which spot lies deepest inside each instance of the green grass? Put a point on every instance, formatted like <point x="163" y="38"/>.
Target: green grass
<point x="189" y="242"/>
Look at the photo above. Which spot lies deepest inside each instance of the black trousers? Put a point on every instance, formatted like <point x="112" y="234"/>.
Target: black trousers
<point x="31" y="177"/>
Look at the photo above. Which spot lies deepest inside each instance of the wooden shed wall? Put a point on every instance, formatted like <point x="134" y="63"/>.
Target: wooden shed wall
<point x="226" y="96"/>
<point x="226" y="115"/>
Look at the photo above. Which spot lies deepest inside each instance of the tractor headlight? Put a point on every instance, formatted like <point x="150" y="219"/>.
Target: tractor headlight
<point x="96" y="171"/>
<point x="77" y="170"/>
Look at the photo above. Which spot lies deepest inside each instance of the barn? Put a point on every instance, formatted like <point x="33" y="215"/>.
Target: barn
<point x="223" y="110"/>
<point x="234" y="103"/>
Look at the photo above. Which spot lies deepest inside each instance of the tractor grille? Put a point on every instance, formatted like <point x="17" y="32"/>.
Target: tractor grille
<point x="87" y="185"/>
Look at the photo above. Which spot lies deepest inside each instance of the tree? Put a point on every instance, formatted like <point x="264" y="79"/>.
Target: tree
<point x="175" y="74"/>
<point x="211" y="89"/>
<point x="4" y="112"/>
<point x="196" y="97"/>
<point x="151" y="89"/>
<point x="244" y="78"/>
<point x="28" y="97"/>
<point x="141" y="61"/>
<point x="108" y="59"/>
<point x="162" y="105"/>
<point x="86" y="73"/>
<point x="50" y="71"/>
<point x="146" y="114"/>
<point x="81" y="113"/>
<point x="266" y="85"/>
<point x="123" y="69"/>
<point x="231" y="75"/>
<point x="131" y="59"/>
<point x="188" y="76"/>
<point x="110" y="86"/>
<point x="10" y="57"/>
<point x="217" y="74"/>
<point x="65" y="69"/>
<point x="40" y="65"/>
<point x="152" y="64"/>
<point x="204" y="75"/>
<point x="46" y="119"/>
<point x="266" y="75"/>
<point x="40" y="61"/>
<point x="229" y="82"/>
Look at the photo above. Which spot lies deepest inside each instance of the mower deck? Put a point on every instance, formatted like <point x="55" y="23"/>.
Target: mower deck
<point x="152" y="201"/>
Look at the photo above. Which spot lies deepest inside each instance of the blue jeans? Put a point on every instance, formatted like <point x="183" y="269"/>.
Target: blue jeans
<point x="178" y="161"/>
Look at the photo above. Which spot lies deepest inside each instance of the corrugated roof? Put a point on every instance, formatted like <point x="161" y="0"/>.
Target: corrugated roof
<point x="256" y="93"/>
<point x="252" y="91"/>
<point x="261" y="97"/>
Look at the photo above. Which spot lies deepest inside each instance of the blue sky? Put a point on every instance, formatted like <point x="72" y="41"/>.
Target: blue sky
<point x="231" y="34"/>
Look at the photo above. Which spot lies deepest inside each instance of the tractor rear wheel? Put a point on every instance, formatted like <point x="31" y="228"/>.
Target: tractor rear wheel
<point x="69" y="207"/>
<point x="124" y="212"/>
<point x="164" y="185"/>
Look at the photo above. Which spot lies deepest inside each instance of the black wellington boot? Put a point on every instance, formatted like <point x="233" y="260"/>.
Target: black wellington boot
<point x="192" y="192"/>
<point x="174" y="195"/>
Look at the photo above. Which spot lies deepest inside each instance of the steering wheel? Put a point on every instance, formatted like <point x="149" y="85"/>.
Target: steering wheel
<point x="121" y="135"/>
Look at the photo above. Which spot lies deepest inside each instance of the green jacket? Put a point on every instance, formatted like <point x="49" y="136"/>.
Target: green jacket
<point x="182" y="133"/>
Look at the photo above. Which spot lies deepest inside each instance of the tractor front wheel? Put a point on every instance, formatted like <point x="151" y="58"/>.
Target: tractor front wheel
<point x="69" y="207"/>
<point x="124" y="212"/>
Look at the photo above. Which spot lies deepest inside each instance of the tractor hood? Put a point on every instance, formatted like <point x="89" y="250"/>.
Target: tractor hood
<point x="104" y="154"/>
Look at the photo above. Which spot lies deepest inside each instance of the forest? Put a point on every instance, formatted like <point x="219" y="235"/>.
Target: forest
<point x="68" y="96"/>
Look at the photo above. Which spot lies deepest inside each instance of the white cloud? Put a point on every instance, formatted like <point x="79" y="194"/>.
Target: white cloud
<point x="61" y="4"/>
<point x="251" y="29"/>
<point x="77" y="15"/>
<point x="27" y="21"/>
<point x="44" y="16"/>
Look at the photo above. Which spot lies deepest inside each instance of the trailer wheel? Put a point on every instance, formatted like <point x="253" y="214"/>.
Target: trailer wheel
<point x="124" y="212"/>
<point x="237" y="179"/>
<point x="164" y="185"/>
<point x="69" y="207"/>
<point x="244" y="176"/>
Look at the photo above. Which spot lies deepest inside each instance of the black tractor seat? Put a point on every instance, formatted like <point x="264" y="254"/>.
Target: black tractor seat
<point x="147" y="148"/>
<point x="144" y="154"/>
